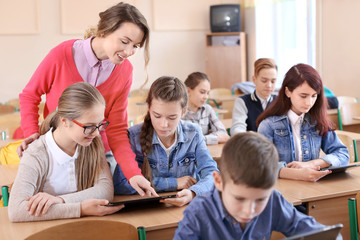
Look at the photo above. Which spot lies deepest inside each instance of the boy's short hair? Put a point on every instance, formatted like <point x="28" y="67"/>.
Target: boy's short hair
<point x="250" y="158"/>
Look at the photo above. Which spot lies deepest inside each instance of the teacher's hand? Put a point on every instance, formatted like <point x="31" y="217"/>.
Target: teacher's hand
<point x="24" y="145"/>
<point x="141" y="184"/>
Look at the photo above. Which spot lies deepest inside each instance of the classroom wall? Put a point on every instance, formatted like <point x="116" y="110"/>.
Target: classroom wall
<point x="338" y="48"/>
<point x="173" y="52"/>
<point x="180" y="52"/>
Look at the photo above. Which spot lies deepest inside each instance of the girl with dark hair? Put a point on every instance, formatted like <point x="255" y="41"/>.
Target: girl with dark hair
<point x="101" y="60"/>
<point x="298" y="125"/>
<point x="64" y="174"/>
<point x="172" y="153"/>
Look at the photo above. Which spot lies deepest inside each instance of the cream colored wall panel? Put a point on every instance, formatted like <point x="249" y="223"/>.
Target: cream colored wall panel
<point x="19" y="17"/>
<point x="339" y="40"/>
<point x="175" y="15"/>
<point x="78" y="15"/>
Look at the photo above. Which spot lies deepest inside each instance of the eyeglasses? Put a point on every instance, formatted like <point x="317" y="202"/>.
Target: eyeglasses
<point x="90" y="129"/>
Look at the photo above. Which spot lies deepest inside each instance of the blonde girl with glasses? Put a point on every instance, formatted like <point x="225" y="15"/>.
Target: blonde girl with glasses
<point x="100" y="59"/>
<point x="64" y="173"/>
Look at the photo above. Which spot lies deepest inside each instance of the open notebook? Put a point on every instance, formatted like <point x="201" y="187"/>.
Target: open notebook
<point x="328" y="233"/>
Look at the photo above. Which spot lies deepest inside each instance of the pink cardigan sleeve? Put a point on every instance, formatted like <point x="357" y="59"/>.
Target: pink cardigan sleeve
<point x="116" y="132"/>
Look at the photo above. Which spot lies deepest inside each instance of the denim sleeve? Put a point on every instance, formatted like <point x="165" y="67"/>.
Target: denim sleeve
<point x="336" y="152"/>
<point x="188" y="227"/>
<point x="163" y="184"/>
<point x="205" y="165"/>
<point x="266" y="130"/>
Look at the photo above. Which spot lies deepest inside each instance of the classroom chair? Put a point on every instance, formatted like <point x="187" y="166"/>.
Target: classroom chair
<point x="347" y="114"/>
<point x="136" y="110"/>
<point x="14" y="102"/>
<point x="353" y="206"/>
<point x="6" y="109"/>
<point x="346" y="99"/>
<point x="140" y="92"/>
<point x="217" y="93"/>
<point x="350" y="142"/>
<point x="9" y="123"/>
<point x="91" y="230"/>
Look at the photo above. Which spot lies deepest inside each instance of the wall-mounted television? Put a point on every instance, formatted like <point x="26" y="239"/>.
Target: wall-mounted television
<point x="225" y="18"/>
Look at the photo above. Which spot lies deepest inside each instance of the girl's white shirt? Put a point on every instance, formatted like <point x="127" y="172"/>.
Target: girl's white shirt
<point x="61" y="178"/>
<point x="295" y="122"/>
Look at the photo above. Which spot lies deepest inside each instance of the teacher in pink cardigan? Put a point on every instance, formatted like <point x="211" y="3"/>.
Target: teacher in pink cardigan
<point x="101" y="60"/>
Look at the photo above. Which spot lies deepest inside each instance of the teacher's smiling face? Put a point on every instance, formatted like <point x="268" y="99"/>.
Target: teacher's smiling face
<point x="120" y="44"/>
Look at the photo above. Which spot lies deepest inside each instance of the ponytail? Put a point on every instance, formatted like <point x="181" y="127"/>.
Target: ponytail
<point x="51" y="121"/>
<point x="146" y="136"/>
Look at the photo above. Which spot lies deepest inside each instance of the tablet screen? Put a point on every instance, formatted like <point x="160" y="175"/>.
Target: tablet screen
<point x="340" y="169"/>
<point x="141" y="201"/>
<point x="328" y="233"/>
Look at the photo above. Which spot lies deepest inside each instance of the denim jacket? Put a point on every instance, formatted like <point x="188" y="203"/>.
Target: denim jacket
<point x="278" y="130"/>
<point x="188" y="157"/>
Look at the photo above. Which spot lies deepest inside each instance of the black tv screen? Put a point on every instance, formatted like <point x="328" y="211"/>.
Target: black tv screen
<point x="225" y="18"/>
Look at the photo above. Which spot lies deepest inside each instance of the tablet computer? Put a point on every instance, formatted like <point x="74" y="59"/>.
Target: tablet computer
<point x="328" y="233"/>
<point x="339" y="169"/>
<point x="141" y="201"/>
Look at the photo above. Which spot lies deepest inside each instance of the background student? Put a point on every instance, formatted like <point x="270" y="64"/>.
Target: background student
<point x="64" y="174"/>
<point x="244" y="204"/>
<point x="101" y="60"/>
<point x="172" y="153"/>
<point x="247" y="108"/>
<point x="198" y="87"/>
<point x="298" y="125"/>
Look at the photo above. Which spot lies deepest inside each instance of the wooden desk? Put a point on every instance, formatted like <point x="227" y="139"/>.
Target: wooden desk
<point x="160" y="221"/>
<point x="216" y="150"/>
<point x="356" y="118"/>
<point x="227" y="122"/>
<point x="326" y="199"/>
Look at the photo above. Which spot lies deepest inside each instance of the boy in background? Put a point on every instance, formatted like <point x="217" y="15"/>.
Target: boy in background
<point x="244" y="204"/>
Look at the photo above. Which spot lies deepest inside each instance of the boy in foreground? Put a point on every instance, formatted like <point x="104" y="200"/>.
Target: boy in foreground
<point x="244" y="204"/>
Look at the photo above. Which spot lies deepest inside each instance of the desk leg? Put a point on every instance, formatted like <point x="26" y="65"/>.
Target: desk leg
<point x="332" y="211"/>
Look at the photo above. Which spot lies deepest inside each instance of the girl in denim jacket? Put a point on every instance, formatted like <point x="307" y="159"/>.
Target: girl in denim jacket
<point x="171" y="153"/>
<point x="298" y="125"/>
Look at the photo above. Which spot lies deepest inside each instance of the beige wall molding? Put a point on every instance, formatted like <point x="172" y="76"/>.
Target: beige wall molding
<point x="19" y="17"/>
<point x="73" y="18"/>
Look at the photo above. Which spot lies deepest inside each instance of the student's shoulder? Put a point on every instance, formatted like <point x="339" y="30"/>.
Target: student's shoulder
<point x="135" y="130"/>
<point x="201" y="203"/>
<point x="36" y="151"/>
<point x="188" y="127"/>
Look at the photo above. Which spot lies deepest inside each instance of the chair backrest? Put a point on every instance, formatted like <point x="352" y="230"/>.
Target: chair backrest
<point x="347" y="113"/>
<point x="349" y="141"/>
<point x="89" y="230"/>
<point x="141" y="92"/>
<point x="14" y="102"/>
<point x="5" y="109"/>
<point x="10" y="122"/>
<point x="346" y="99"/>
<point x="216" y="92"/>
<point x="136" y="110"/>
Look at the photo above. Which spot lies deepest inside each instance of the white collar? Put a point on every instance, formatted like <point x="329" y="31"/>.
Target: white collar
<point x="61" y="156"/>
<point x="294" y="118"/>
